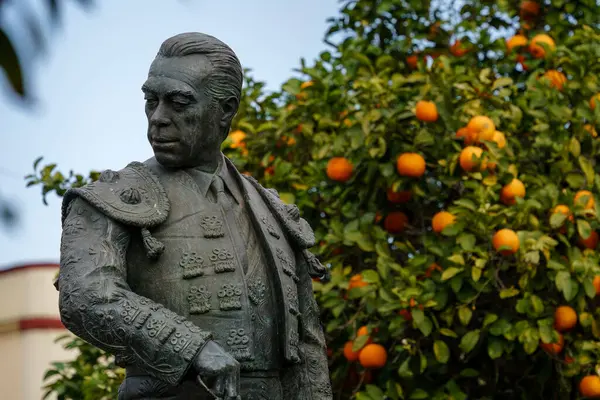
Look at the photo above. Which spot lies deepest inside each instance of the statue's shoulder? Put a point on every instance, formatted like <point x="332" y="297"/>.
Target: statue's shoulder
<point x="288" y="215"/>
<point x="133" y="195"/>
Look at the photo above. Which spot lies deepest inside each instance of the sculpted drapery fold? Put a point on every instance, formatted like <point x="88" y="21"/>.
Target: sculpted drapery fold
<point x="308" y="380"/>
<point x="97" y="304"/>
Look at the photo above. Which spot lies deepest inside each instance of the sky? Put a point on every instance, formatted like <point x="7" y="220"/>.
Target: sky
<point x="89" y="111"/>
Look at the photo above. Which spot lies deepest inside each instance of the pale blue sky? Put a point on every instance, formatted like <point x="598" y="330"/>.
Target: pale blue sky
<point x="90" y="107"/>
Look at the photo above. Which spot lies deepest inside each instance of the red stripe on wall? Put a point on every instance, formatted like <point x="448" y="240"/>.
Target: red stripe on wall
<point x="40" y="323"/>
<point x="23" y="267"/>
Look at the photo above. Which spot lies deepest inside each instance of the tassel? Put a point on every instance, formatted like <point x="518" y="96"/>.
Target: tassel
<point x="154" y="247"/>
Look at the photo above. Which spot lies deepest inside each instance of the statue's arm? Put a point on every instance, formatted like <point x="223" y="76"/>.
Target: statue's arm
<point x="312" y="374"/>
<point x="97" y="304"/>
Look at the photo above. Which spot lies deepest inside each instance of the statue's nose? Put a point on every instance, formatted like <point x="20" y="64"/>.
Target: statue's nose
<point x="160" y="116"/>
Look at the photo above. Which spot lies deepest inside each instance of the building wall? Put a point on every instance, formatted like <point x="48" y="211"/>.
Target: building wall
<point x="29" y="325"/>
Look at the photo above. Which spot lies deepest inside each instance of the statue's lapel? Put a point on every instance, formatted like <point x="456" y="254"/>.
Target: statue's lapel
<point x="287" y="216"/>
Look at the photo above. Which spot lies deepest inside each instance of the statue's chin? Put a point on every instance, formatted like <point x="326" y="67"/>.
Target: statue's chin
<point x="167" y="160"/>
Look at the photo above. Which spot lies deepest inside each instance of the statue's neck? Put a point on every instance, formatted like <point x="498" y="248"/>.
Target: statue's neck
<point x="211" y="165"/>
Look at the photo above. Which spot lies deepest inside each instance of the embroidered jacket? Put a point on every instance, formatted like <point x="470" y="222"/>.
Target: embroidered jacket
<point x="149" y="273"/>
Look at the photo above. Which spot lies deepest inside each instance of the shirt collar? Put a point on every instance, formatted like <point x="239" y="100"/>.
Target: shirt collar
<point x="204" y="179"/>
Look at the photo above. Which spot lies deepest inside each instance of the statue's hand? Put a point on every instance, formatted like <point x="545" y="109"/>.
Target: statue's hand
<point x="214" y="364"/>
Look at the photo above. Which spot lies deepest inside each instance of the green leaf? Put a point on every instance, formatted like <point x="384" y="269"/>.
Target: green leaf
<point x="465" y="314"/>
<point x="566" y="285"/>
<point x="575" y="147"/>
<point x="418" y="394"/>
<point x="9" y="61"/>
<point x="466" y="241"/>
<point x="360" y="342"/>
<point x="502" y="82"/>
<point x="404" y="371"/>
<point x="449" y="273"/>
<point x="584" y="229"/>
<point x="495" y="348"/>
<point x="469" y="341"/>
<point x="448" y="332"/>
<point x="588" y="170"/>
<point x="370" y="276"/>
<point x="536" y="305"/>
<point x="422" y="322"/>
<point x="557" y="220"/>
<point x="441" y="351"/>
<point x="509" y="292"/>
<point x="374" y="392"/>
<point x="453" y="229"/>
<point x="466" y="203"/>
<point x="489" y="319"/>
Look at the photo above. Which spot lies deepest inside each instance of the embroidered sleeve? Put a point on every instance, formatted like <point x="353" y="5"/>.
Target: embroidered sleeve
<point x="97" y="305"/>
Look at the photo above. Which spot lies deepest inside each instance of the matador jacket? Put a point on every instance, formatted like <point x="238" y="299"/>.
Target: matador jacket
<point x="134" y="282"/>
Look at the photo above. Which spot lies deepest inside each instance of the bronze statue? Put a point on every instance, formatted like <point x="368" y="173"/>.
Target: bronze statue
<point x="194" y="276"/>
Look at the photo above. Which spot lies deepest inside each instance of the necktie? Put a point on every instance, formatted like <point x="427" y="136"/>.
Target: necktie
<point x="218" y="189"/>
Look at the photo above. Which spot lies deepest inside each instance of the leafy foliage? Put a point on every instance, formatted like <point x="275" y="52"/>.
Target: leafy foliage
<point x="9" y="57"/>
<point x="458" y="315"/>
<point x="92" y="375"/>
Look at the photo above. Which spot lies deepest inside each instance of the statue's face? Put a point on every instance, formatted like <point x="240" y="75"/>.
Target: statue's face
<point x="183" y="120"/>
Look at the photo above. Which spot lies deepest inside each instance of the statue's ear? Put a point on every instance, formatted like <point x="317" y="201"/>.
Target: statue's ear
<point x="229" y="107"/>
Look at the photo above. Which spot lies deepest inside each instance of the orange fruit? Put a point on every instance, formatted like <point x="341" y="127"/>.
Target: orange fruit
<point x="405" y="314"/>
<point x="483" y="126"/>
<point x="430" y="269"/>
<point x="589" y="202"/>
<point x="426" y="111"/>
<point x="339" y="169"/>
<point x="563" y="209"/>
<point x="412" y="61"/>
<point x="510" y="191"/>
<point x="237" y="139"/>
<point x="402" y="196"/>
<point x="521" y="60"/>
<point x="556" y="78"/>
<point x="373" y="356"/>
<point x="536" y="46"/>
<point x="301" y="96"/>
<point x="395" y="222"/>
<point x="306" y="84"/>
<point x="410" y="164"/>
<point x="590" y="386"/>
<point x="356" y="281"/>
<point x="569" y="360"/>
<point x="565" y="318"/>
<point x="364" y="331"/>
<point x="590" y="129"/>
<point x="506" y="237"/>
<point x="596" y="283"/>
<point x="595" y="99"/>
<point x="470" y="159"/>
<point x="378" y="217"/>
<point x="529" y="9"/>
<point x="516" y="41"/>
<point x="458" y="49"/>
<point x="591" y="242"/>
<point x="469" y="137"/>
<point x="499" y="139"/>
<point x="441" y="220"/>
<point x="348" y="353"/>
<point x="554" y="348"/>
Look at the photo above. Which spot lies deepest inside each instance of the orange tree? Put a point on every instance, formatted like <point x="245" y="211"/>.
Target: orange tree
<point x="446" y="158"/>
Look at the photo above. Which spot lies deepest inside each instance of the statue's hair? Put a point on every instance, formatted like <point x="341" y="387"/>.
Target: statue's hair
<point x="226" y="77"/>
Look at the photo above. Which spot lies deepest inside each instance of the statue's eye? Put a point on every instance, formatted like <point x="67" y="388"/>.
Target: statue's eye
<point x="180" y="104"/>
<point x="151" y="101"/>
